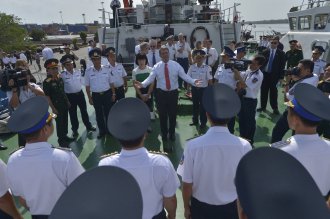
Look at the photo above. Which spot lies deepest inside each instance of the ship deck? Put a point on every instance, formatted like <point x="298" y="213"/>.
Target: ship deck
<point x="88" y="148"/>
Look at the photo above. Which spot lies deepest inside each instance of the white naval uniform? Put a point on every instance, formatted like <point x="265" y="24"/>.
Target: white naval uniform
<point x="319" y="67"/>
<point x="314" y="80"/>
<point x="4" y="185"/>
<point x="24" y="94"/>
<point x="214" y="56"/>
<point x="98" y="80"/>
<point x="154" y="173"/>
<point x="72" y="81"/>
<point x="13" y="60"/>
<point x="175" y="71"/>
<point x="6" y="60"/>
<point x="185" y="52"/>
<point x="117" y="73"/>
<point x="253" y="81"/>
<point x="202" y="73"/>
<point x="209" y="162"/>
<point x="39" y="174"/>
<point x="313" y="153"/>
<point x="47" y="53"/>
<point x="171" y="50"/>
<point x="225" y="76"/>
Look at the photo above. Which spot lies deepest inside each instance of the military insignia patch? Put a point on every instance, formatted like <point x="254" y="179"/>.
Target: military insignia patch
<point x="254" y="80"/>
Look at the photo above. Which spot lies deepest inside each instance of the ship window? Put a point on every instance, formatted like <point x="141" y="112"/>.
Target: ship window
<point x="305" y="22"/>
<point x="320" y="21"/>
<point x="293" y="23"/>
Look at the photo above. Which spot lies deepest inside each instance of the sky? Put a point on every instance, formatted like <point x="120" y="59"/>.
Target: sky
<point x="48" y="11"/>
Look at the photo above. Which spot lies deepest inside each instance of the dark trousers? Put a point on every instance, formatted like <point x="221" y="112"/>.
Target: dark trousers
<point x="78" y="99"/>
<point x="40" y="216"/>
<point x="114" y="20"/>
<point x="198" y="109"/>
<point x="167" y="102"/>
<point x="247" y="120"/>
<point x="120" y="93"/>
<point x="61" y="123"/>
<point x="324" y="129"/>
<point x="281" y="127"/>
<point x="102" y="105"/>
<point x="268" y="86"/>
<point x="161" y="215"/>
<point x="148" y="102"/>
<point x="184" y="62"/>
<point x="4" y="215"/>
<point x="200" y="210"/>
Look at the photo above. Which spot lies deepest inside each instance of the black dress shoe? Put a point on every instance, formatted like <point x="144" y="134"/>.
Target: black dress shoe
<point x="2" y="147"/>
<point x="172" y="137"/>
<point x="261" y="109"/>
<point x="276" y="112"/>
<point x="91" y="129"/>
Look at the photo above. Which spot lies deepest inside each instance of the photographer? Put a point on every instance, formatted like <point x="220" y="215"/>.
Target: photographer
<point x="249" y="86"/>
<point x="20" y="89"/>
<point x="225" y="75"/>
<point x="303" y="73"/>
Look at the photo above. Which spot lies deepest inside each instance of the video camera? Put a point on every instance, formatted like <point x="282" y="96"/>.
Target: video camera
<point x="17" y="75"/>
<point x="240" y="65"/>
<point x="295" y="71"/>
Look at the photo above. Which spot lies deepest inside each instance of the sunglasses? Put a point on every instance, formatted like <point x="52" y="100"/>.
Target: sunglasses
<point x="53" y="68"/>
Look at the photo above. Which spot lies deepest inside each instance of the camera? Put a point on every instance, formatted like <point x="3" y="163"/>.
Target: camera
<point x="293" y="71"/>
<point x="240" y="65"/>
<point x="17" y="75"/>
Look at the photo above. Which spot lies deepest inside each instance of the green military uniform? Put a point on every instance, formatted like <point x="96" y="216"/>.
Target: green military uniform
<point x="54" y="89"/>
<point x="293" y="57"/>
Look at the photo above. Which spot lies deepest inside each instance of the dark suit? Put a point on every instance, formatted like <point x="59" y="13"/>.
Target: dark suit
<point x="271" y="78"/>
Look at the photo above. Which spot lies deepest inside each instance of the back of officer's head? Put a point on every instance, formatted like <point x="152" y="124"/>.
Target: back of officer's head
<point x="221" y="103"/>
<point x="128" y="122"/>
<point x="307" y="64"/>
<point x="272" y="184"/>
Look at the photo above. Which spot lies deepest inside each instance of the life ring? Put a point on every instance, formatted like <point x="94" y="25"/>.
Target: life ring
<point x="193" y="39"/>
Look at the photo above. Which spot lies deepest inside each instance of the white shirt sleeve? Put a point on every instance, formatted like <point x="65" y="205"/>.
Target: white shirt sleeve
<point x="74" y="169"/>
<point x="184" y="76"/>
<point x="188" y="163"/>
<point x="4" y="185"/>
<point x="150" y="78"/>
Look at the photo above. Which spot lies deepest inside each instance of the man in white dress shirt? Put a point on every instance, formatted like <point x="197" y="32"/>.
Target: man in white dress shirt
<point x="47" y="53"/>
<point x="153" y="54"/>
<point x="167" y="73"/>
<point x="211" y="56"/>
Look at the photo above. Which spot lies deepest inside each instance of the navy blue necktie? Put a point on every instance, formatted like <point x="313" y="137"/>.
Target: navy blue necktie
<point x="207" y="58"/>
<point x="153" y="59"/>
<point x="271" y="59"/>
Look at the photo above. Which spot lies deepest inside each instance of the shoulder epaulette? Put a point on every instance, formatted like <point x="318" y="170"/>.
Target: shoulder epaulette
<point x="108" y="155"/>
<point x="48" y="79"/>
<point x="158" y="152"/>
<point x="280" y="144"/>
<point x="21" y="147"/>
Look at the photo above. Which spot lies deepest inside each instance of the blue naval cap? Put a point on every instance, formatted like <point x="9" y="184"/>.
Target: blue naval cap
<point x="310" y="103"/>
<point x="267" y="177"/>
<point x="221" y="101"/>
<point x="30" y="116"/>
<point x="319" y="48"/>
<point x="227" y="51"/>
<point x="95" y="53"/>
<point x="241" y="49"/>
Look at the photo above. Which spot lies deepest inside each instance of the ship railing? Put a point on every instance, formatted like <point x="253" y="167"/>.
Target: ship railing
<point x="205" y="13"/>
<point x="309" y="5"/>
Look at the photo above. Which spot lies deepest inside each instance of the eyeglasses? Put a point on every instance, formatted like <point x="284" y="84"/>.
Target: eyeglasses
<point x="273" y="42"/>
<point x="315" y="53"/>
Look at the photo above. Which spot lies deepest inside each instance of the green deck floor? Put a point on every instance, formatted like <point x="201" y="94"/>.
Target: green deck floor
<point x="89" y="149"/>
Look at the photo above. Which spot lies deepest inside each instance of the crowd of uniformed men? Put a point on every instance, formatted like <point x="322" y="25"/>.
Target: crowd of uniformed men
<point x="39" y="173"/>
